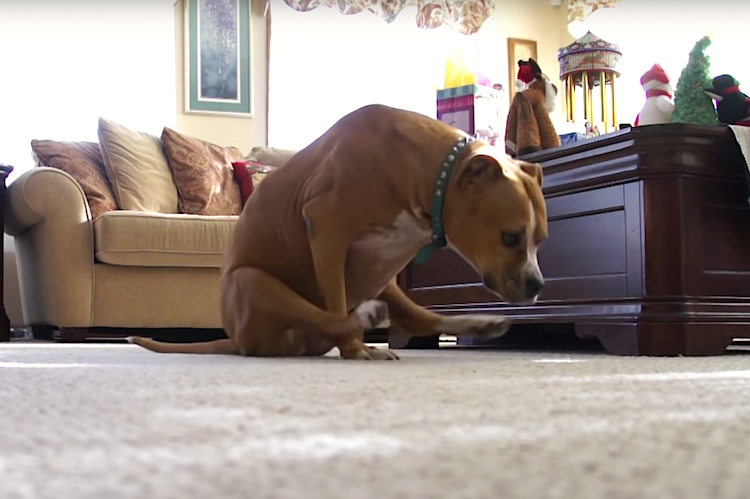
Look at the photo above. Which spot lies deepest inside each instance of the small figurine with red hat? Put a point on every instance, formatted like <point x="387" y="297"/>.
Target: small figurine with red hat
<point x="659" y="106"/>
<point x="529" y="127"/>
<point x="529" y="73"/>
<point x="525" y="75"/>
<point x="732" y="106"/>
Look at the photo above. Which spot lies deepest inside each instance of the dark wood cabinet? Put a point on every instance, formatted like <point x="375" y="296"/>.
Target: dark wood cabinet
<point x="5" y="170"/>
<point x="648" y="249"/>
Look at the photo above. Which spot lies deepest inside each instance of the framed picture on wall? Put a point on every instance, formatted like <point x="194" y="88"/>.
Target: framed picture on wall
<point x="217" y="58"/>
<point x="518" y="50"/>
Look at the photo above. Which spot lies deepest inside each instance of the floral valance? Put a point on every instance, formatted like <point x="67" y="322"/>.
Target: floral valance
<point x="579" y="10"/>
<point x="465" y="16"/>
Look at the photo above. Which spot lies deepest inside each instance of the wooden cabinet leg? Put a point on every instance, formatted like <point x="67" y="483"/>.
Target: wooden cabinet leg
<point x="73" y="335"/>
<point x="4" y="321"/>
<point x="664" y="339"/>
<point x="43" y="332"/>
<point x="5" y="170"/>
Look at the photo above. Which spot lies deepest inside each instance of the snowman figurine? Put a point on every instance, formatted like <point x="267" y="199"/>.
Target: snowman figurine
<point x="659" y="106"/>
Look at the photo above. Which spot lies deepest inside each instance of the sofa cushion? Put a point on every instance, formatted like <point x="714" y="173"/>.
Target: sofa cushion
<point x="271" y="156"/>
<point x="143" y="239"/>
<point x="82" y="161"/>
<point x="137" y="168"/>
<point x="258" y="172"/>
<point x="203" y="174"/>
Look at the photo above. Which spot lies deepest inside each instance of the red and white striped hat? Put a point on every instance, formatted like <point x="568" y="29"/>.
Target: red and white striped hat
<point x="655" y="73"/>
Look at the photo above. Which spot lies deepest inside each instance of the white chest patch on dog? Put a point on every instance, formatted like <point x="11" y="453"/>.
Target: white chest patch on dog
<point x="377" y="256"/>
<point x="407" y="233"/>
<point x="387" y="244"/>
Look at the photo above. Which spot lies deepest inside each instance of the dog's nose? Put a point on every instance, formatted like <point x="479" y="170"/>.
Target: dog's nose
<point x="534" y="286"/>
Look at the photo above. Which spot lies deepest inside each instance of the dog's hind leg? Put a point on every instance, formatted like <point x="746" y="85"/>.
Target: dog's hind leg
<point x="265" y="317"/>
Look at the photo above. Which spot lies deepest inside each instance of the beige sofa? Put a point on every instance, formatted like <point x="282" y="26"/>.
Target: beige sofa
<point x="123" y="272"/>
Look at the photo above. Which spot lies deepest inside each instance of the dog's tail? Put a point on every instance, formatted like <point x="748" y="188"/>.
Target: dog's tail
<point x="219" y="347"/>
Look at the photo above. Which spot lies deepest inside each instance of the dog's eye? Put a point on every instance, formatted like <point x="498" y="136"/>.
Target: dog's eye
<point x="511" y="239"/>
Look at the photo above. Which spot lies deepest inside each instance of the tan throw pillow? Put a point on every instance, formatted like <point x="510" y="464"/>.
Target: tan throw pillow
<point x="83" y="162"/>
<point x="203" y="174"/>
<point x="137" y="168"/>
<point x="258" y="172"/>
<point x="271" y="156"/>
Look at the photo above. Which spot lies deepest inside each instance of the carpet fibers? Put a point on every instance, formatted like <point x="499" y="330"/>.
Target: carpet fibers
<point x="115" y="421"/>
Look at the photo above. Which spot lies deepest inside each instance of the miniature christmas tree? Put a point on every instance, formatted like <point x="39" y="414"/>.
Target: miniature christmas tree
<point x="691" y="104"/>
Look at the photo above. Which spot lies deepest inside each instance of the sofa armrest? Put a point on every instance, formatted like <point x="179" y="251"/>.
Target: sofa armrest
<point x="49" y="217"/>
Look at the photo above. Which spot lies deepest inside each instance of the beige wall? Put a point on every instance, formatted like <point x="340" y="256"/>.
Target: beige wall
<point x="529" y="19"/>
<point x="239" y="132"/>
<point x="536" y="20"/>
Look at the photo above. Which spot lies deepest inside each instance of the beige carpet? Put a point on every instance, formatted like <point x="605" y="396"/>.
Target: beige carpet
<point x="112" y="421"/>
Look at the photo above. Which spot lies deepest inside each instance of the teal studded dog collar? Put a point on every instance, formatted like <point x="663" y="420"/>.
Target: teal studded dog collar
<point x="438" y="196"/>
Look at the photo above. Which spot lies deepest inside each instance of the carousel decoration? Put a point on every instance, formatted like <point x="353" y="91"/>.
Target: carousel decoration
<point x="586" y="64"/>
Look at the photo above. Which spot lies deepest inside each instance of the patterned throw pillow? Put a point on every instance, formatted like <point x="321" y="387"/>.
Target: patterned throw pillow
<point x="203" y="174"/>
<point x="82" y="161"/>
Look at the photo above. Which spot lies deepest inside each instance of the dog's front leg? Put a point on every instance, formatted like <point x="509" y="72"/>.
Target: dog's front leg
<point x="329" y="245"/>
<point x="415" y="320"/>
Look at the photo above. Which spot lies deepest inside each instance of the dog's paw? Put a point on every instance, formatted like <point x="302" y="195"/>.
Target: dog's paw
<point x="476" y="325"/>
<point x="372" y="353"/>
<point x="372" y="313"/>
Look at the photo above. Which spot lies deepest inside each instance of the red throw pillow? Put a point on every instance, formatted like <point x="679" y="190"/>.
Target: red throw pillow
<point x="245" y="175"/>
<point x="243" y="179"/>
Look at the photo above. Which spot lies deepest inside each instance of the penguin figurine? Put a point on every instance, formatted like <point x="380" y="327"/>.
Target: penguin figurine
<point x="732" y="106"/>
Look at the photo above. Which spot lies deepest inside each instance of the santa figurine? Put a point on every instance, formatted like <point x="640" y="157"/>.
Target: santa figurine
<point x="529" y="127"/>
<point x="525" y="75"/>
<point x="732" y="106"/>
<point x="529" y="73"/>
<point x="659" y="106"/>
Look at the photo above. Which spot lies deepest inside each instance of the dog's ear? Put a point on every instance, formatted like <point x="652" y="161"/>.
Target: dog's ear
<point x="534" y="170"/>
<point x="480" y="170"/>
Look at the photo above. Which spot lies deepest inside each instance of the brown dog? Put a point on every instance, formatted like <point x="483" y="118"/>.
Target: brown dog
<point x="315" y="253"/>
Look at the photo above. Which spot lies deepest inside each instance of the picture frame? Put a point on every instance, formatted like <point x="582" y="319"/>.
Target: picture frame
<point x="218" y="66"/>
<point x="518" y="49"/>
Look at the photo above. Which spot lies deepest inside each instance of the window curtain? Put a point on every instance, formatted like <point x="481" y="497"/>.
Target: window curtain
<point x="324" y="65"/>
<point x="580" y="10"/>
<point x="65" y="64"/>
<point x="465" y="16"/>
